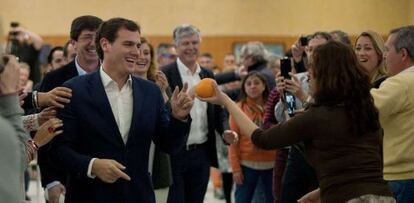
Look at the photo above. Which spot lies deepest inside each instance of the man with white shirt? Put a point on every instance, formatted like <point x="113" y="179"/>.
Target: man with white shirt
<point x="395" y="102"/>
<point x="191" y="166"/>
<point x="112" y="119"/>
<point x="82" y="34"/>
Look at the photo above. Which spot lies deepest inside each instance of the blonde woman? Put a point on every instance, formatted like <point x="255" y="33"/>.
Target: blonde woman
<point x="369" y="48"/>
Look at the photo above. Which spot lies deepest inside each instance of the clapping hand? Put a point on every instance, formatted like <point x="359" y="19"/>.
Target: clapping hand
<point x="181" y="103"/>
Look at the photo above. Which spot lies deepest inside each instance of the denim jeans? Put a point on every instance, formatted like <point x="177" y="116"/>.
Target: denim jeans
<point x="244" y="193"/>
<point x="403" y="190"/>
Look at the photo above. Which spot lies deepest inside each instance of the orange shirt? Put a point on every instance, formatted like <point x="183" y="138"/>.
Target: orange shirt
<point x="244" y="148"/>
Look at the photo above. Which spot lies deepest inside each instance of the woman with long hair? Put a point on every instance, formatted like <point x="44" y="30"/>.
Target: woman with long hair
<point x="159" y="162"/>
<point x="341" y="130"/>
<point x="249" y="163"/>
<point x="369" y="49"/>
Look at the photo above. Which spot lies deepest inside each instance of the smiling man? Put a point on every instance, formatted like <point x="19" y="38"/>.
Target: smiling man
<point x="190" y="178"/>
<point x="82" y="34"/>
<point x="109" y="126"/>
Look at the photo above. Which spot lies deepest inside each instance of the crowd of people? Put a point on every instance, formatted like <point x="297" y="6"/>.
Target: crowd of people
<point x="114" y="119"/>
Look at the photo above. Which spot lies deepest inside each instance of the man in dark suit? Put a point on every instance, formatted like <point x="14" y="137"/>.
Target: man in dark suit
<point x="191" y="166"/>
<point x="109" y="126"/>
<point x="82" y="34"/>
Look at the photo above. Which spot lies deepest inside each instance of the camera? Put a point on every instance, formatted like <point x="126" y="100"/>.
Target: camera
<point x="14" y="24"/>
<point x="13" y="42"/>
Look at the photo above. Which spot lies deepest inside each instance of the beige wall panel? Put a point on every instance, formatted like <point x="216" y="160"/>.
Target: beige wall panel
<point x="215" y="17"/>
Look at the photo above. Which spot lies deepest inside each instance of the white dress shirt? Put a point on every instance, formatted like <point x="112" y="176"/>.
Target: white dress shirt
<point x="79" y="68"/>
<point x="199" y="124"/>
<point x="121" y="101"/>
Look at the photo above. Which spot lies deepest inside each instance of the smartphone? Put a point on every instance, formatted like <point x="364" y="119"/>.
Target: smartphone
<point x="290" y="103"/>
<point x="303" y="41"/>
<point x="285" y="67"/>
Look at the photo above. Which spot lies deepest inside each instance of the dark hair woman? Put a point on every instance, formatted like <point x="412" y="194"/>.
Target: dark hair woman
<point x="341" y="131"/>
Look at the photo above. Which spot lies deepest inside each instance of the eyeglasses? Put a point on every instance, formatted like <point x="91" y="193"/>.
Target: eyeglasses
<point x="170" y="56"/>
<point x="86" y="38"/>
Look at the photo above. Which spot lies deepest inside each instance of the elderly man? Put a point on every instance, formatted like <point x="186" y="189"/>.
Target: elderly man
<point x="191" y="166"/>
<point x="395" y="102"/>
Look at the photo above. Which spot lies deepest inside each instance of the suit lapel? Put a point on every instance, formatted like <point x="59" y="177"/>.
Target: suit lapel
<point x="138" y="100"/>
<point x="101" y="103"/>
<point x="176" y="78"/>
<point x="203" y="74"/>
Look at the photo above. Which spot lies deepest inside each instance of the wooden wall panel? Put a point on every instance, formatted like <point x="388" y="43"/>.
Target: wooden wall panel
<point x="218" y="46"/>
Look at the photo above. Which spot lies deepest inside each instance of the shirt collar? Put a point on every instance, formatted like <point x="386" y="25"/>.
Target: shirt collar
<point x="409" y="69"/>
<point x="185" y="70"/>
<point x="79" y="68"/>
<point x="107" y="80"/>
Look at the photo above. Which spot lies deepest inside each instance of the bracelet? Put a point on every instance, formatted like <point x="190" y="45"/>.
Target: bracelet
<point x="33" y="144"/>
<point x="35" y="101"/>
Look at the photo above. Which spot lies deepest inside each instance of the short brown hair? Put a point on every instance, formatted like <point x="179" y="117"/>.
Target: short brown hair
<point x="108" y="30"/>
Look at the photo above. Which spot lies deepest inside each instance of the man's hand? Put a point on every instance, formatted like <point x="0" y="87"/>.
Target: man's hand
<point x="230" y="137"/>
<point x="181" y="103"/>
<point x="55" y="97"/>
<point x="54" y="193"/>
<point x="9" y="78"/>
<point x="109" y="170"/>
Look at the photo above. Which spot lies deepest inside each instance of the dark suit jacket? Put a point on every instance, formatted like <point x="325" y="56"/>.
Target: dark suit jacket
<point x="51" y="80"/>
<point x="215" y="114"/>
<point x="90" y="131"/>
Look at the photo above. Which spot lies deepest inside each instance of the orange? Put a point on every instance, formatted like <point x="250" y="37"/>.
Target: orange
<point x="205" y="88"/>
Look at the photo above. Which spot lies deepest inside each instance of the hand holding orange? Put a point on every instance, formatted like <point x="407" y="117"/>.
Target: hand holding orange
<point x="205" y="88"/>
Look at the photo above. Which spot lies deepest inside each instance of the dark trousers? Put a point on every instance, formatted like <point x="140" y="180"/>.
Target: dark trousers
<point x="227" y="185"/>
<point x="191" y="172"/>
<point x="299" y="177"/>
<point x="278" y="171"/>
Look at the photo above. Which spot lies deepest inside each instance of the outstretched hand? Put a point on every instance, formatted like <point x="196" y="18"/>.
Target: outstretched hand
<point x="219" y="97"/>
<point x="181" y="103"/>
